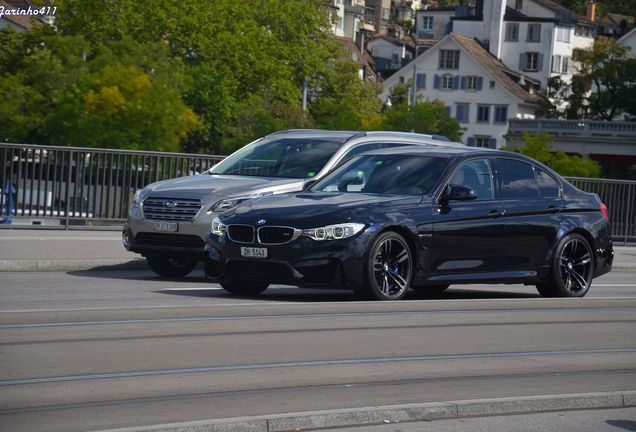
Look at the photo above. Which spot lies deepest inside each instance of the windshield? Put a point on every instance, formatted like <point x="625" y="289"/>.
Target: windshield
<point x="285" y="157"/>
<point x="385" y="174"/>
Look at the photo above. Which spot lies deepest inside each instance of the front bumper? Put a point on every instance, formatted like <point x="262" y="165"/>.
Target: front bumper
<point x="189" y="241"/>
<point x="338" y="264"/>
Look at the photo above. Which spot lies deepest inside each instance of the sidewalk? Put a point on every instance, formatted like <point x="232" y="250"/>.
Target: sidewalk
<point x="60" y="250"/>
<point x="74" y="250"/>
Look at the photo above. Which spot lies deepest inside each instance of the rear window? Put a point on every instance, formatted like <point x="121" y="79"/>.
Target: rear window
<point x="548" y="187"/>
<point x="516" y="179"/>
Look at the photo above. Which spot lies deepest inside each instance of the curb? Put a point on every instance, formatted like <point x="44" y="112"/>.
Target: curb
<point x="71" y="265"/>
<point x="349" y="417"/>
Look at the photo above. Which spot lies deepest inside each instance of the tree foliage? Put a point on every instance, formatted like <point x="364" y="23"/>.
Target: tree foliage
<point x="423" y="117"/>
<point x="207" y="75"/>
<point x="603" y="87"/>
<point x="65" y="90"/>
<point x="538" y="147"/>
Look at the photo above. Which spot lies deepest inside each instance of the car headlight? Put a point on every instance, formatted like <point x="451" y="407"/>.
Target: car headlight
<point x="227" y="204"/>
<point x="334" y="232"/>
<point x="135" y="207"/>
<point x="230" y="203"/>
<point x="218" y="227"/>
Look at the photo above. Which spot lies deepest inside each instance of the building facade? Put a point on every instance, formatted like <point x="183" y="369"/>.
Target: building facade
<point x="477" y="89"/>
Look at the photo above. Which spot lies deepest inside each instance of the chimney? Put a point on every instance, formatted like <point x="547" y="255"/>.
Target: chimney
<point x="590" y="14"/>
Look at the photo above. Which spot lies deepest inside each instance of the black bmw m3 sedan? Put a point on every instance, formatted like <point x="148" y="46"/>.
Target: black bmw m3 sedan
<point x="388" y="221"/>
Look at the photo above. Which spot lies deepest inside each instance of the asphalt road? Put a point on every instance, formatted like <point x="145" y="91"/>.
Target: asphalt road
<point x="97" y="350"/>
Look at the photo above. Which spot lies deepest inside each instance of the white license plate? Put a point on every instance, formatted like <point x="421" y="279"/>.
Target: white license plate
<point x="254" y="252"/>
<point x="166" y="226"/>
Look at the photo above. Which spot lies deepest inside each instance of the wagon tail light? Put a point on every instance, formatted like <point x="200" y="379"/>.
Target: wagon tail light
<point x="604" y="211"/>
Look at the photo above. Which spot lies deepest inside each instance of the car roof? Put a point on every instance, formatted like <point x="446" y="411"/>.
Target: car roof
<point x="345" y="136"/>
<point x="434" y="150"/>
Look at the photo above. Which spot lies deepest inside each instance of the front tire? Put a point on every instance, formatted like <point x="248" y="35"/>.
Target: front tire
<point x="572" y="269"/>
<point x="243" y="286"/>
<point x="389" y="268"/>
<point x="167" y="266"/>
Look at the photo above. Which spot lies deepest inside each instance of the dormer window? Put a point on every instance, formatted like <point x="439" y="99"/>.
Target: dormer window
<point x="449" y="59"/>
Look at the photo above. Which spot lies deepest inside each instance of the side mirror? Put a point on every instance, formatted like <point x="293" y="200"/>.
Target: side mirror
<point x="351" y="178"/>
<point x="460" y="193"/>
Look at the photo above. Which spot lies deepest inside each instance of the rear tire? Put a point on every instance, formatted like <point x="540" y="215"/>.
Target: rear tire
<point x="171" y="266"/>
<point x="572" y="269"/>
<point x="389" y="268"/>
<point x="243" y="286"/>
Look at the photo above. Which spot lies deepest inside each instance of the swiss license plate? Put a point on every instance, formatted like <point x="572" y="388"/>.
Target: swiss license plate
<point x="166" y="226"/>
<point x="254" y="252"/>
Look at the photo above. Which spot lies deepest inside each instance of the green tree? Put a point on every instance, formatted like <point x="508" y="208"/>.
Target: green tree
<point x="66" y="91"/>
<point x="538" y="147"/>
<point x="611" y="73"/>
<point x="423" y="117"/>
<point x="343" y="100"/>
<point x="233" y="54"/>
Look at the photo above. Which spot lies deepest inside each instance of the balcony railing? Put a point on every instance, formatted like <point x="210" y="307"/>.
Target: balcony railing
<point x="586" y="129"/>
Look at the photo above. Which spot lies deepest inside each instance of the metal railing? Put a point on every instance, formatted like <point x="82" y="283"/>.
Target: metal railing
<point x="583" y="129"/>
<point x="83" y="186"/>
<point x="620" y="198"/>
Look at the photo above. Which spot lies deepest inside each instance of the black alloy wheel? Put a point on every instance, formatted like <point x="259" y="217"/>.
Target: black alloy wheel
<point x="167" y="266"/>
<point x="572" y="269"/>
<point x="389" y="268"/>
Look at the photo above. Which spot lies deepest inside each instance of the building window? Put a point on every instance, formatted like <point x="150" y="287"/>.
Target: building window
<point x="462" y="112"/>
<point x="401" y="80"/>
<point x="420" y="81"/>
<point x="501" y="114"/>
<point x="472" y="83"/>
<point x="483" y="113"/>
<point x="427" y="23"/>
<point x="563" y="34"/>
<point x="492" y="84"/>
<point x="449" y="59"/>
<point x="447" y="82"/>
<point x="448" y="110"/>
<point x="485" y="141"/>
<point x="519" y="4"/>
<point x="565" y="65"/>
<point x="395" y="61"/>
<point x="534" y="33"/>
<point x="512" y="32"/>
<point x="556" y="64"/>
<point x="531" y="61"/>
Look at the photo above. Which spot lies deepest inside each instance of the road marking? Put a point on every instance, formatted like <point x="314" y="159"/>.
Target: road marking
<point x="290" y="303"/>
<point x="307" y="363"/>
<point x="310" y="315"/>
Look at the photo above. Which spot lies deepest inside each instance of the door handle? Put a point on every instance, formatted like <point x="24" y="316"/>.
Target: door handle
<point x="495" y="213"/>
<point x="552" y="209"/>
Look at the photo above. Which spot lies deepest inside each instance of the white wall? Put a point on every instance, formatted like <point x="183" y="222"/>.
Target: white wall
<point x="428" y="63"/>
<point x="532" y="9"/>
<point x="629" y="40"/>
<point x="385" y="49"/>
<point x="440" y="20"/>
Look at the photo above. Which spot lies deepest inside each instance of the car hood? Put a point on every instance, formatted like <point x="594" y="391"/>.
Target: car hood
<point x="310" y="209"/>
<point x="212" y="187"/>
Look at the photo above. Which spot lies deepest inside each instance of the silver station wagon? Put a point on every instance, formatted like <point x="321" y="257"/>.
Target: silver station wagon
<point x="169" y="220"/>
